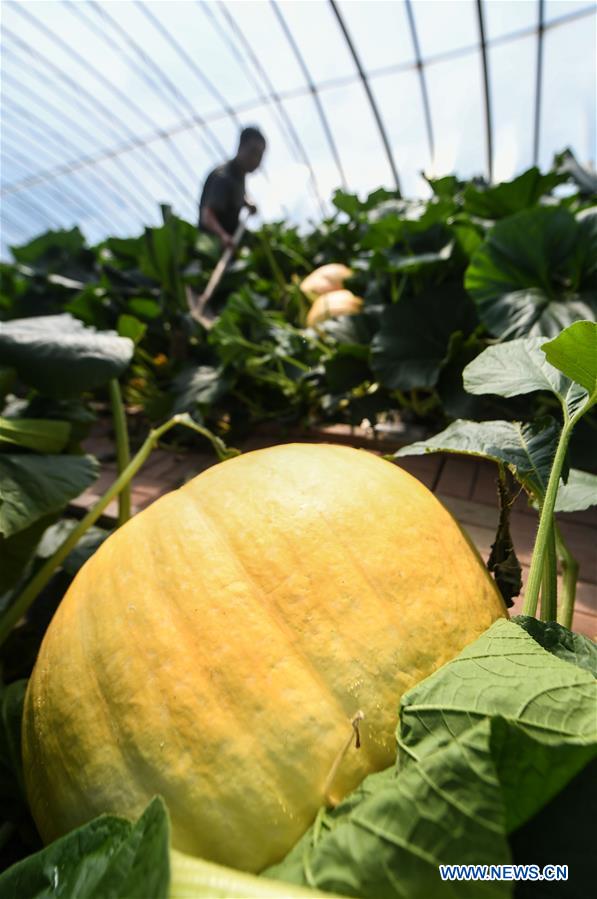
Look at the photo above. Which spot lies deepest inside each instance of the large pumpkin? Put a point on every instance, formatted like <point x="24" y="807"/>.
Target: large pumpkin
<point x="215" y="649"/>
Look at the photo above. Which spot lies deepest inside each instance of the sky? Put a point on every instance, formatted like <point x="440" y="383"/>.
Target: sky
<point x="110" y="108"/>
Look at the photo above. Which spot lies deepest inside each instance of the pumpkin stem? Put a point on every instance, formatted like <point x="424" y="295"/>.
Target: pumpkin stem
<point x="328" y="799"/>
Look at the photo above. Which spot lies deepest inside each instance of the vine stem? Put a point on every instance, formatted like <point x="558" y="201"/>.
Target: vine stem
<point x="22" y="603"/>
<point x="123" y="453"/>
<point x="569" y="578"/>
<point x="549" y="586"/>
<point x="276" y="270"/>
<point x="546" y="520"/>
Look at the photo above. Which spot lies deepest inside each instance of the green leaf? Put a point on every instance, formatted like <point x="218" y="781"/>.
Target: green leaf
<point x="345" y="202"/>
<point x="109" y="858"/>
<point x="347" y="368"/>
<point x="203" y="384"/>
<point x="502" y="714"/>
<point x="18" y="834"/>
<point x="574" y="353"/>
<point x="57" y="533"/>
<point x="144" y="308"/>
<point x="17" y="553"/>
<point x="41" y="435"/>
<point x="60" y="357"/>
<point x="57" y="251"/>
<point x="506" y="673"/>
<point x="526" y="449"/>
<point x="164" y="254"/>
<point x="516" y="275"/>
<point x="413" y="342"/>
<point x="131" y="327"/>
<point x="578" y="493"/>
<point x="585" y="178"/>
<point x="7" y="379"/>
<point x="32" y="487"/>
<point x="512" y="196"/>
<point x="11" y="769"/>
<point x="419" y="261"/>
<point x="351" y="330"/>
<point x="577" y="649"/>
<point x="519" y="367"/>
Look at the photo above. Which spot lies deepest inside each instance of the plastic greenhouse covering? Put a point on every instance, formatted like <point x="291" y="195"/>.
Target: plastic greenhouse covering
<point x="298" y="476"/>
<point x="109" y="109"/>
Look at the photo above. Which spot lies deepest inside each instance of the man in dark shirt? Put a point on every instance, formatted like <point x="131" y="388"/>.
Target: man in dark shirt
<point x="223" y="194"/>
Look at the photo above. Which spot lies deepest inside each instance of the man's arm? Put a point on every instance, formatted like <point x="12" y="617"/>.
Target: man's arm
<point x="209" y="220"/>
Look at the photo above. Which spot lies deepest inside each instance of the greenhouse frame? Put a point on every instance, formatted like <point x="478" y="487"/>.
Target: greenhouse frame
<point x="298" y="449"/>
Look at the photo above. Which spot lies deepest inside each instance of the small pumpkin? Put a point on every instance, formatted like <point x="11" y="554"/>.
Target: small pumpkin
<point x="324" y="279"/>
<point x="333" y="305"/>
<point x="220" y="646"/>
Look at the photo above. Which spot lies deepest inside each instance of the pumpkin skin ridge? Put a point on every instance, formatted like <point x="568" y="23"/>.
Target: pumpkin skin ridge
<point x="281" y="628"/>
<point x="142" y="770"/>
<point x="165" y="513"/>
<point x="60" y="747"/>
<point x="203" y="512"/>
<point x="285" y="630"/>
<point x="221" y="696"/>
<point x="339" y="703"/>
<point x="140" y="802"/>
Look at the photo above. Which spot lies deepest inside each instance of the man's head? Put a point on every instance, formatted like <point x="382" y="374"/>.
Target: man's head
<point x="251" y="148"/>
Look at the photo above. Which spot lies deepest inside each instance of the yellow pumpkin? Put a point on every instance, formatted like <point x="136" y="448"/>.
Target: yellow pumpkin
<point x="217" y="647"/>
<point x="333" y="305"/>
<point x="325" y="278"/>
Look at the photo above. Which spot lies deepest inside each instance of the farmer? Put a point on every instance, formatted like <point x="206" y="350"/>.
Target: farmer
<point x="223" y="194"/>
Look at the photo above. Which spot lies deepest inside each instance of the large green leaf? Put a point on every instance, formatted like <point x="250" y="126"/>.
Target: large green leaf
<point x="109" y="858"/>
<point x="63" y="252"/>
<point x="42" y="435"/>
<point x="17" y="554"/>
<point x="164" y="254"/>
<point x="574" y="353"/>
<point x="526" y="448"/>
<point x="511" y="196"/>
<point x="504" y="673"/>
<point x="501" y="715"/>
<point x="577" y="649"/>
<point x="524" y="279"/>
<point x="413" y="342"/>
<point x="578" y="493"/>
<point x="347" y="368"/>
<point x="32" y="487"/>
<point x="519" y="367"/>
<point x="60" y="357"/>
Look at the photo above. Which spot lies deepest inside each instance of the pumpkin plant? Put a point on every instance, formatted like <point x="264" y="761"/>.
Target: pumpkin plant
<point x="468" y="735"/>
<point x="535" y="452"/>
